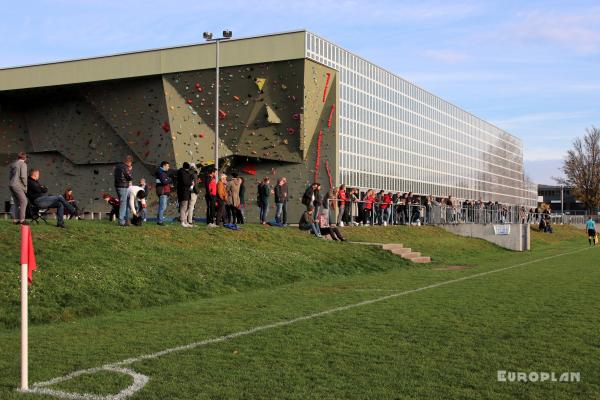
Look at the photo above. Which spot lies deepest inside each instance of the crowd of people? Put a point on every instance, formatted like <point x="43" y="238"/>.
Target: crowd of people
<point x="225" y="198"/>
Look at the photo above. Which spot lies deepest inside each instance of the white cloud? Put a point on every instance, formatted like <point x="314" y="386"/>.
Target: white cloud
<point x="579" y="32"/>
<point x="448" y="56"/>
<point x="537" y="153"/>
<point x="541" y="117"/>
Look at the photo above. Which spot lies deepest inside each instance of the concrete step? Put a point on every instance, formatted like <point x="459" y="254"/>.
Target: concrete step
<point x="391" y="246"/>
<point x="411" y="255"/>
<point x="400" y="251"/>
<point x="421" y="260"/>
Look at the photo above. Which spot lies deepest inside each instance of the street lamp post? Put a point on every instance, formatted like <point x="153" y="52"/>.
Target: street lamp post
<point x="208" y="36"/>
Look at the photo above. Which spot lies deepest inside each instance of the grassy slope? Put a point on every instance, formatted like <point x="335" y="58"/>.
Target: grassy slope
<point x="442" y="343"/>
<point x="93" y="268"/>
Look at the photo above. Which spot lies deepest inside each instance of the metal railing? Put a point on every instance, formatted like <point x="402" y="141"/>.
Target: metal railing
<point x="357" y="213"/>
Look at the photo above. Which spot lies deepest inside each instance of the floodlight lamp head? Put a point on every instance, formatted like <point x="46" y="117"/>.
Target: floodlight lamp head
<point x="208" y="35"/>
<point x="227" y="34"/>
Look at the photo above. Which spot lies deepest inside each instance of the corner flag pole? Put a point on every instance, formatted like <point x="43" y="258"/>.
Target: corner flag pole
<point x="24" y="329"/>
<point x="28" y="264"/>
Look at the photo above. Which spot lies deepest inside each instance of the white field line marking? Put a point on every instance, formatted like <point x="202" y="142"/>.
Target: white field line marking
<point x="140" y="380"/>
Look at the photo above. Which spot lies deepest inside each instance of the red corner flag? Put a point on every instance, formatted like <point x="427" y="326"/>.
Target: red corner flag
<point x="27" y="253"/>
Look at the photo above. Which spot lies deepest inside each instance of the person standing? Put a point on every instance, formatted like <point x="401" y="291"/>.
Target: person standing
<point x="18" y="188"/>
<point x="341" y="199"/>
<point x="210" y="195"/>
<point x="123" y="178"/>
<point x="241" y="210"/>
<point x="222" y="200"/>
<point x="163" y="188"/>
<point x="264" y="191"/>
<point x="280" y="192"/>
<point x="193" y="194"/>
<point x="369" y="200"/>
<point x="591" y="230"/>
<point x="387" y="206"/>
<point x="308" y="197"/>
<point x="184" y="190"/>
<point x="234" y="198"/>
<point x="317" y="201"/>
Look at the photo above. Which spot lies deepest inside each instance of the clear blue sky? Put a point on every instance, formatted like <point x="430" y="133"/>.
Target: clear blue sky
<point x="530" y="67"/>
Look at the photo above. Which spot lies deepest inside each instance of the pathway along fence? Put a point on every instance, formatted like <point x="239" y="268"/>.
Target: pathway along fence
<point x="436" y="214"/>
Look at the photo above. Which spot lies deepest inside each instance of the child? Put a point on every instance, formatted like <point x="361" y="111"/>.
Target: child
<point x="114" y="203"/>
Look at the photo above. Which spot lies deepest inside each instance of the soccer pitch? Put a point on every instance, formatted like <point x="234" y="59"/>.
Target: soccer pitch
<point x="403" y="332"/>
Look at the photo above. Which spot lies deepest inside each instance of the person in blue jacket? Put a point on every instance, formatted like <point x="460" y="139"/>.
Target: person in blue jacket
<point x="590" y="225"/>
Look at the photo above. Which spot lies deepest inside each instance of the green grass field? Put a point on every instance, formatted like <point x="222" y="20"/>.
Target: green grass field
<point x="104" y="294"/>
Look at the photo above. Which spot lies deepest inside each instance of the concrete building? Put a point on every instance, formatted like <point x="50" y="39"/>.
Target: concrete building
<point x="292" y="104"/>
<point x="557" y="197"/>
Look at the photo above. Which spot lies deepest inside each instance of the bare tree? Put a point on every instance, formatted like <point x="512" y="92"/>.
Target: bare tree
<point x="582" y="169"/>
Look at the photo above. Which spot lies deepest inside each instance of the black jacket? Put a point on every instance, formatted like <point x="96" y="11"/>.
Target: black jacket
<point x="307" y="196"/>
<point x="263" y="193"/>
<point x="35" y="190"/>
<point x="318" y="199"/>
<point x="281" y="193"/>
<point x="242" y="194"/>
<point x="184" y="183"/>
<point x="122" y="176"/>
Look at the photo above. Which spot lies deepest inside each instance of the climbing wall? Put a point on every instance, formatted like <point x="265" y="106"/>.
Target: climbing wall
<point x="275" y="119"/>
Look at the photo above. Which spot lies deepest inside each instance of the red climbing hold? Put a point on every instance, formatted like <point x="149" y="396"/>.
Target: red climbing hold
<point x="318" y="160"/>
<point x="326" y="86"/>
<point x="222" y="114"/>
<point x="329" y="173"/>
<point x="249" y="169"/>
<point x="331" y="115"/>
<point x="165" y="126"/>
<point x="190" y="101"/>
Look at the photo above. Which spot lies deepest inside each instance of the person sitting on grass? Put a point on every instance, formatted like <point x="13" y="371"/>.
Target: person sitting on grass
<point x="326" y="229"/>
<point x="591" y="230"/>
<point x="38" y="194"/>
<point x="114" y="204"/>
<point x="545" y="225"/>
<point x="307" y="222"/>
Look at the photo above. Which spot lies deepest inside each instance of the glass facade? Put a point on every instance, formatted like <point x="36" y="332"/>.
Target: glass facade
<point x="398" y="137"/>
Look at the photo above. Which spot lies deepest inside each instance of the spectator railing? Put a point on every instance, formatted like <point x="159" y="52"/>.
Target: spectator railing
<point x="439" y="214"/>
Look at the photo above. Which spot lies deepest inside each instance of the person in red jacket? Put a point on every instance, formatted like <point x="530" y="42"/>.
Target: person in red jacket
<point x="210" y="182"/>
<point x="386" y="208"/>
<point x="114" y="204"/>
<point x="341" y="199"/>
<point x="369" y="201"/>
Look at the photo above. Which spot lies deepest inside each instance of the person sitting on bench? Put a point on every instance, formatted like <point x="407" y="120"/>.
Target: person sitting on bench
<point x="38" y="194"/>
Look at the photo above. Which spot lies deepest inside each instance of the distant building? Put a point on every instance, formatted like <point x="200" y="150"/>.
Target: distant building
<point x="551" y="195"/>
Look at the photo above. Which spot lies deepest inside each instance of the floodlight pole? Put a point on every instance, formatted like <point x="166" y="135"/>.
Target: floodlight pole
<point x="209" y="38"/>
<point x="217" y="61"/>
